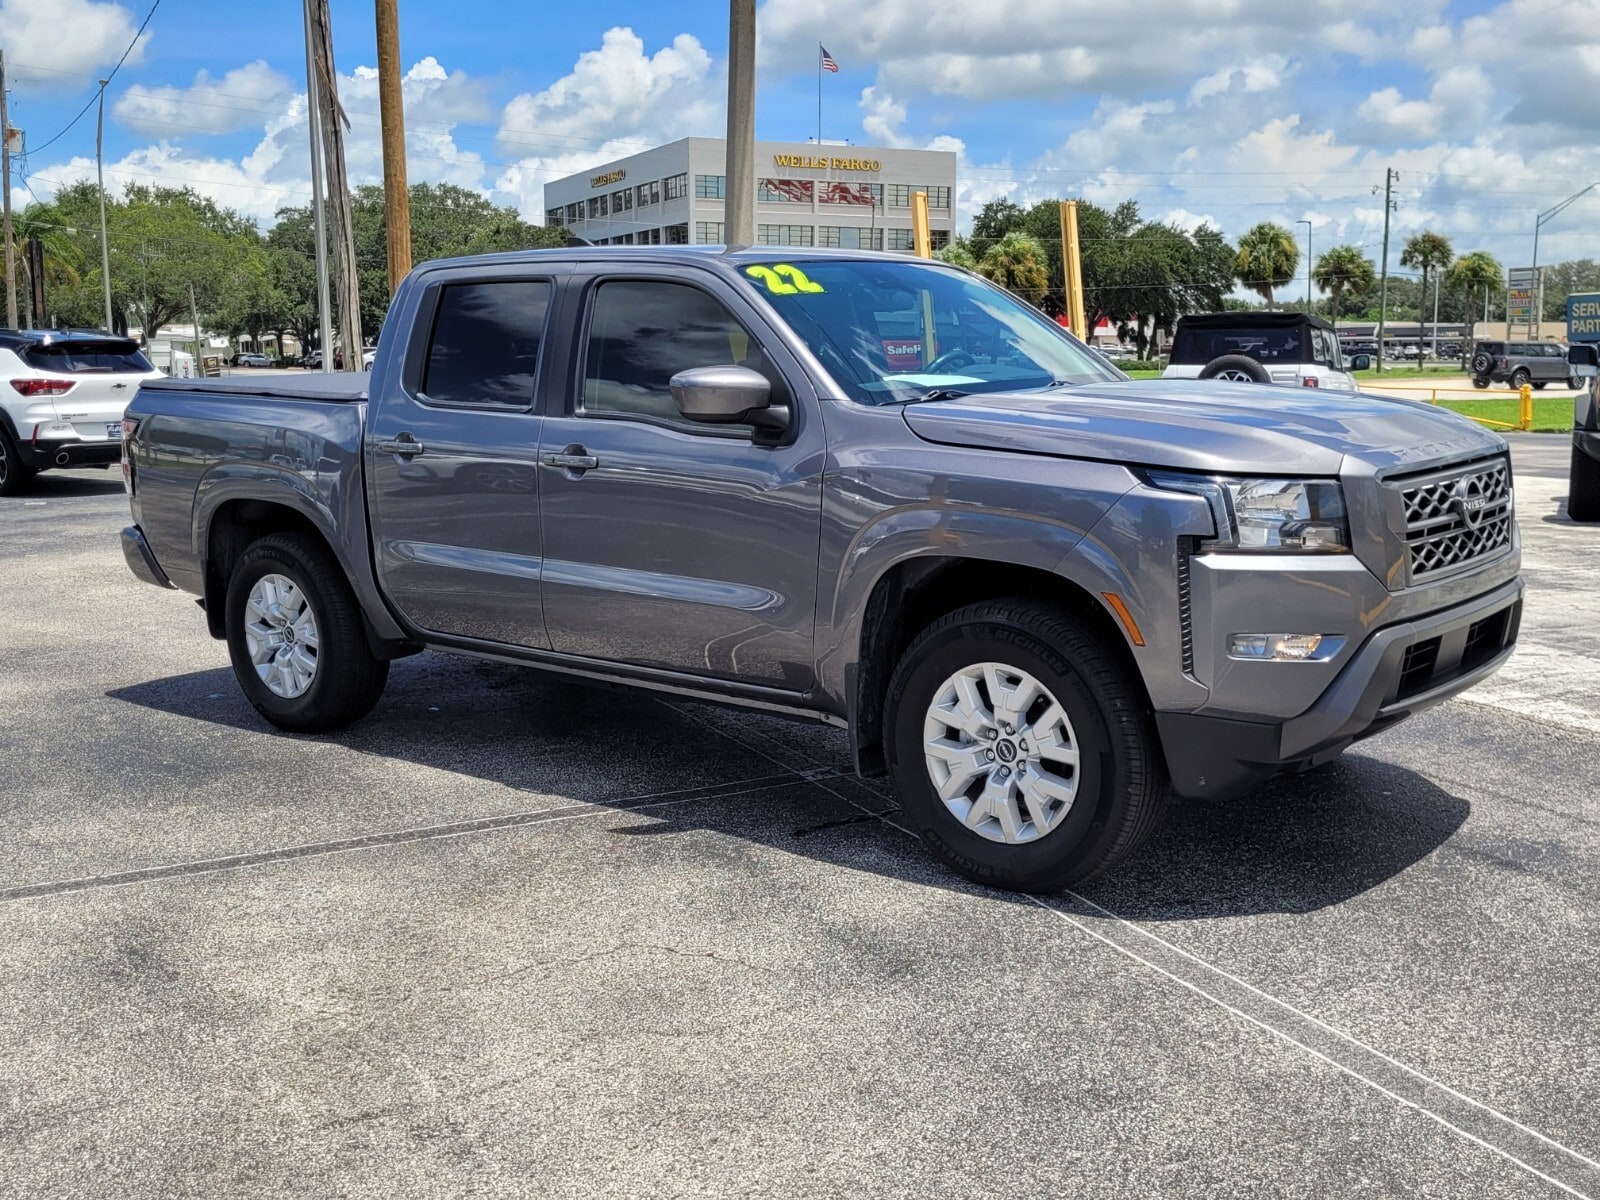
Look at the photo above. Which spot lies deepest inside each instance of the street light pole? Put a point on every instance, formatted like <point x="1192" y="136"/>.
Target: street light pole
<point x="1539" y="223"/>
<point x="319" y="224"/>
<point x="99" y="171"/>
<point x="1307" y="224"/>
<point x="740" y="213"/>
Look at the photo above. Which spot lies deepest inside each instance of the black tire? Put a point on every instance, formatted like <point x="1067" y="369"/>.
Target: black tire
<point x="15" y="475"/>
<point x="1574" y="384"/>
<point x="1520" y="378"/>
<point x="1122" y="787"/>
<point x="1241" y="364"/>
<point x="348" y="679"/>
<point x="1480" y="382"/>
<point x="1541" y="385"/>
<point x="1482" y="363"/>
<point x="1583" y="488"/>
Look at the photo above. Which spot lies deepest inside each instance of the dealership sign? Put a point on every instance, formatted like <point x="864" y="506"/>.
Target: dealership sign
<point x="1519" y="306"/>
<point x="1583" y="317"/>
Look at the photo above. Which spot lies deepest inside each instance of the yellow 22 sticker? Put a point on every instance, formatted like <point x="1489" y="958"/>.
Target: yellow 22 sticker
<point x="783" y="279"/>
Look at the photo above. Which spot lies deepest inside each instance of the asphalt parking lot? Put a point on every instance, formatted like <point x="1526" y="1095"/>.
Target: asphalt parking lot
<point x="508" y="936"/>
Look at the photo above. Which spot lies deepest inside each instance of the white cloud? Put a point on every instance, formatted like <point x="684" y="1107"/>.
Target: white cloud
<point x="882" y="116"/>
<point x="56" y="43"/>
<point x="239" y="100"/>
<point x="1263" y="76"/>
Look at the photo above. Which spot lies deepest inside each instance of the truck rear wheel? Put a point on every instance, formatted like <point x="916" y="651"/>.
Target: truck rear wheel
<point x="296" y="639"/>
<point x="1020" y="749"/>
<point x="1583" y="488"/>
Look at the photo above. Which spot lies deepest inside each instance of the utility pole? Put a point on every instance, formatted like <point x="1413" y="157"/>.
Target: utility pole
<point x="333" y="122"/>
<point x="1389" y="176"/>
<point x="740" y="212"/>
<point x="318" y="213"/>
<point x="99" y="172"/>
<point x="199" y="349"/>
<point x="1307" y="224"/>
<point x="5" y="186"/>
<point x="396" y="199"/>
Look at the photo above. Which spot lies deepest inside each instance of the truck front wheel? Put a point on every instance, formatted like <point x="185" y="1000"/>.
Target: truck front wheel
<point x="296" y="639"/>
<point x="1020" y="748"/>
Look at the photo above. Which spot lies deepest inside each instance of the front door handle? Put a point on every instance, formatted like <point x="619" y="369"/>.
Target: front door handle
<point x="405" y="446"/>
<point x="573" y="458"/>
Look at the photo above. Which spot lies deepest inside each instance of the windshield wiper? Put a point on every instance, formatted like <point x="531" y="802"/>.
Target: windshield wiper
<point x="939" y="394"/>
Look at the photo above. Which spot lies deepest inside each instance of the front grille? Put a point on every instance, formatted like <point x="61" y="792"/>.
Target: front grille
<point x="1455" y="517"/>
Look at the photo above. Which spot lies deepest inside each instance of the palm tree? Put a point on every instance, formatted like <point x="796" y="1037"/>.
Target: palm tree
<point x="1017" y="263"/>
<point x="1268" y="257"/>
<point x="1475" y="271"/>
<point x="1341" y="270"/>
<point x="62" y="255"/>
<point x="958" y="254"/>
<point x="1427" y="252"/>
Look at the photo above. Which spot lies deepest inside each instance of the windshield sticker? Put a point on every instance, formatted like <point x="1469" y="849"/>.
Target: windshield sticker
<point x="784" y="279"/>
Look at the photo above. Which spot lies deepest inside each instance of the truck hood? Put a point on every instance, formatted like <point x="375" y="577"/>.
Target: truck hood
<point x="1226" y="428"/>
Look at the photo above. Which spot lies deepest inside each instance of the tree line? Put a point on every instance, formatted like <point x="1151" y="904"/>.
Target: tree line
<point x="167" y="244"/>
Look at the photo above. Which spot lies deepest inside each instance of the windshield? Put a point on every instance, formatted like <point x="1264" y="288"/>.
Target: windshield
<point x="892" y="332"/>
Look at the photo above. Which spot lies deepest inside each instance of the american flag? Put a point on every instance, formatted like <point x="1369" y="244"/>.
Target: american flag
<point x="827" y="60"/>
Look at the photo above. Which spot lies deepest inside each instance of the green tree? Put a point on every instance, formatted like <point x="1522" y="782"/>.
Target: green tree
<point x="994" y="220"/>
<point x="1429" y="253"/>
<point x="1564" y="279"/>
<point x="1266" y="259"/>
<point x="958" y="254"/>
<point x="1343" y="271"/>
<point x="63" y="254"/>
<point x="1017" y="263"/>
<point x="1477" y="275"/>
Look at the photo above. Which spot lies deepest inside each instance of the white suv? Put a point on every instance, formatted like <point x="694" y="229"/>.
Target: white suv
<point x="61" y="399"/>
<point x="1244" y="347"/>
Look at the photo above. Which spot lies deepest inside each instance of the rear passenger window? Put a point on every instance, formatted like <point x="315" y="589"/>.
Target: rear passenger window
<point x="642" y="333"/>
<point x="485" y="346"/>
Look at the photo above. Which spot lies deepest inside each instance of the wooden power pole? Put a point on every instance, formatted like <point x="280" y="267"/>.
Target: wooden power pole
<point x="1072" y="270"/>
<point x="396" y="198"/>
<point x="5" y="159"/>
<point x="332" y="122"/>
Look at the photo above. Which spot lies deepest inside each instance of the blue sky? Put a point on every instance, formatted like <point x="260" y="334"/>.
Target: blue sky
<point x="1228" y="111"/>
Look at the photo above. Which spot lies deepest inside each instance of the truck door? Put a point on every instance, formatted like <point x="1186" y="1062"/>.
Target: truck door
<point x="668" y="543"/>
<point x="451" y="454"/>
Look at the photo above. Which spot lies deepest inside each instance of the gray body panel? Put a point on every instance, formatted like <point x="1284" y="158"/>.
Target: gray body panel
<point x="711" y="564"/>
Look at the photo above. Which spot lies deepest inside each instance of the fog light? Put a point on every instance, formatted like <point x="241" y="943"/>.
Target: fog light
<point x="1284" y="647"/>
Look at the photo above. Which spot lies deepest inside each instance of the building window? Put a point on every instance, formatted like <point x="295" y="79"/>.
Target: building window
<point x="675" y="235"/>
<point x="675" y="187"/>
<point x="574" y="213"/>
<point x="625" y="240"/>
<point x="938" y="239"/>
<point x="939" y="198"/>
<point x="649" y="193"/>
<point x="710" y="187"/>
<point x="555" y="216"/>
<point x="650" y="237"/>
<point x="598" y="207"/>
<point x="622" y="201"/>
<point x="863" y="195"/>
<point x="899" y="239"/>
<point x="785" y="235"/>
<point x="784" y="191"/>
<point x="850" y="237"/>
<point x="708" y="233"/>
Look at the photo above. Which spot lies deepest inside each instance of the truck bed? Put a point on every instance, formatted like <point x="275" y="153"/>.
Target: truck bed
<point x="340" y="387"/>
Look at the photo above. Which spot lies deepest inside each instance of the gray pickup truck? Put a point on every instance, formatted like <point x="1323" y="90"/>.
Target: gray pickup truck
<point x="864" y="490"/>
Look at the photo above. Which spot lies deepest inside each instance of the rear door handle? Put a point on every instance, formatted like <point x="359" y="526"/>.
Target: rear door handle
<point x="572" y="461"/>
<point x="405" y="446"/>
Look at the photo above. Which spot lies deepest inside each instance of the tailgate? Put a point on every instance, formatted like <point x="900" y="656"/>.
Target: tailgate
<point x="103" y="374"/>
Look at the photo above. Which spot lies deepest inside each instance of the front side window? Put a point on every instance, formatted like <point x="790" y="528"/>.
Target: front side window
<point x="897" y="332"/>
<point x="484" y="351"/>
<point x="642" y="333"/>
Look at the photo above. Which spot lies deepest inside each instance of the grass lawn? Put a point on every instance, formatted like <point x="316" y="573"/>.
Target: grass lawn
<point x="1553" y="415"/>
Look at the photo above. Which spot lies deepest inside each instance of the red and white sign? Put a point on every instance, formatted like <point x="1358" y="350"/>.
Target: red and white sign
<point x="798" y="190"/>
<point x="904" y="354"/>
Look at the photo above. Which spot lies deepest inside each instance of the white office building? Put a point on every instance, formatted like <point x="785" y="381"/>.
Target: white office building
<point x="853" y="197"/>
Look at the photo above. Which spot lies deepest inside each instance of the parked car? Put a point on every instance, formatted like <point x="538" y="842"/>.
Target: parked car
<point x="1517" y="363"/>
<point x="62" y="400"/>
<point x="251" y="360"/>
<point x="1031" y="591"/>
<point x="1287" y="348"/>
<point x="312" y="360"/>
<point x="369" y="355"/>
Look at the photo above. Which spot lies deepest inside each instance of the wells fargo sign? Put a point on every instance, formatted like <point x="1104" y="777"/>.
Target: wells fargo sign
<point x="825" y="163"/>
<point x="616" y="176"/>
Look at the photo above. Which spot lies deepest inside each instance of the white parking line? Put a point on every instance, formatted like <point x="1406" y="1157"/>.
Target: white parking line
<point x="1430" y="1095"/>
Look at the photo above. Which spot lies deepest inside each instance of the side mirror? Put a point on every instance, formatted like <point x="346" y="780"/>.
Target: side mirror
<point x="728" y="395"/>
<point x="1361" y="362"/>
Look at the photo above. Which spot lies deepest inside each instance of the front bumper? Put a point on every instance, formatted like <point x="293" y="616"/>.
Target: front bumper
<point x="44" y="455"/>
<point x="142" y="560"/>
<point x="1400" y="670"/>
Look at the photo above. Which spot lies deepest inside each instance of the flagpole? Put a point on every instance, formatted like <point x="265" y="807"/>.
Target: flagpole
<point x="819" y="93"/>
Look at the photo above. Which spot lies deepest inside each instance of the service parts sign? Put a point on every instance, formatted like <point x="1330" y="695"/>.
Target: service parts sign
<point x="1583" y="317"/>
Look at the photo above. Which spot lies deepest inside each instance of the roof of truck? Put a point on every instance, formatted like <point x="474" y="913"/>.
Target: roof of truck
<point x="1252" y="320"/>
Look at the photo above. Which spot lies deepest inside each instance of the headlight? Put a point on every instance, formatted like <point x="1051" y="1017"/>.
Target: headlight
<point x="1305" y="516"/>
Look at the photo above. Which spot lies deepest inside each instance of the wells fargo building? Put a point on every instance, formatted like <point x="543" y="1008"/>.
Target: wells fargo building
<point x="854" y="197"/>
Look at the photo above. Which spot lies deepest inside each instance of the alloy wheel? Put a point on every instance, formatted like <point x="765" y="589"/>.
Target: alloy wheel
<point x="280" y="631"/>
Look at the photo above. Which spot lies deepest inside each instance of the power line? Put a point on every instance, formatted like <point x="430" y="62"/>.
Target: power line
<point x="90" y="103"/>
